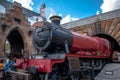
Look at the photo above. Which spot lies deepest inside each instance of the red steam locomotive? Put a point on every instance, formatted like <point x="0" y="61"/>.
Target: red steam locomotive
<point x="63" y="54"/>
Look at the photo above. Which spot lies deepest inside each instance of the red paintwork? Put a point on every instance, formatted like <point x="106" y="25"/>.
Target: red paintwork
<point x="83" y="54"/>
<point x="43" y="65"/>
<point x="83" y="43"/>
<point x="83" y="47"/>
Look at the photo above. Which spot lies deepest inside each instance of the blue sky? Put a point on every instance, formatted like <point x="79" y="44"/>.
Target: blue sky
<point x="76" y="8"/>
<point x="71" y="10"/>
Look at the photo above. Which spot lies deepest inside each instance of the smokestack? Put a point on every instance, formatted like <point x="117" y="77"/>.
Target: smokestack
<point x="55" y="19"/>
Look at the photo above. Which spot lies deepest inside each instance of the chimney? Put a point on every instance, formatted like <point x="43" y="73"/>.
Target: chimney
<point x="17" y="4"/>
<point x="55" y="19"/>
<point x="43" y="11"/>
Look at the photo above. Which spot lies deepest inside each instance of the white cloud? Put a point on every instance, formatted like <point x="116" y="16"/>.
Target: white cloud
<point x="26" y="3"/>
<point x="2" y="9"/>
<point x="51" y="12"/>
<point x="59" y="14"/>
<point x="68" y="18"/>
<point x="65" y="19"/>
<point x="74" y="19"/>
<point x="98" y="12"/>
<point x="109" y="5"/>
<point x="33" y="19"/>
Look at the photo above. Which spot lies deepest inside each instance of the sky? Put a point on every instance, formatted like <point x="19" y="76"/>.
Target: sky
<point x="71" y="10"/>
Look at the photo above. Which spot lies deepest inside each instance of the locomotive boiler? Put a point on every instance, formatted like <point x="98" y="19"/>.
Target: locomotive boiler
<point x="50" y="38"/>
<point x="62" y="53"/>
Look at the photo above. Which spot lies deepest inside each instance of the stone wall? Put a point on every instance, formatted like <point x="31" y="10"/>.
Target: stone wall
<point x="15" y="19"/>
<point x="106" y="23"/>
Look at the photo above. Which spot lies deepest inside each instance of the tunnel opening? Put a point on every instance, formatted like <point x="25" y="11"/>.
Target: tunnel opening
<point x="114" y="44"/>
<point x="14" y="44"/>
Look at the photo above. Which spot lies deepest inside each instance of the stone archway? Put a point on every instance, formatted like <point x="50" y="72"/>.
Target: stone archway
<point x="114" y="44"/>
<point x="15" y="22"/>
<point x="109" y="29"/>
<point x="17" y="41"/>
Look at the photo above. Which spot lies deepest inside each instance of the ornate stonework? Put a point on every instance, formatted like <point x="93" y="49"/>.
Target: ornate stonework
<point x="17" y="27"/>
<point x="110" y="27"/>
<point x="105" y="25"/>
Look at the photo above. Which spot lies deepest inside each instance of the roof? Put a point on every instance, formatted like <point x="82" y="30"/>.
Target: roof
<point x="92" y="19"/>
<point x="8" y="5"/>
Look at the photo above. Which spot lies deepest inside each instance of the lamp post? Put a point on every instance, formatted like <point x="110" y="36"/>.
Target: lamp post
<point x="4" y="26"/>
<point x="30" y="32"/>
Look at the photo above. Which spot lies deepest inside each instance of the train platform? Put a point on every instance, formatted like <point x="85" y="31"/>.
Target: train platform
<point x="109" y="72"/>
